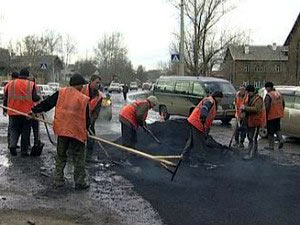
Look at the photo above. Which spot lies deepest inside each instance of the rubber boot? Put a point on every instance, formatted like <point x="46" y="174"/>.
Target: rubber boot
<point x="281" y="141"/>
<point x="13" y="151"/>
<point x="250" y="154"/>
<point x="271" y="143"/>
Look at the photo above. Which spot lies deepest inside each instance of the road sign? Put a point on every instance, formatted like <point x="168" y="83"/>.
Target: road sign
<point x="175" y="57"/>
<point x="44" y="66"/>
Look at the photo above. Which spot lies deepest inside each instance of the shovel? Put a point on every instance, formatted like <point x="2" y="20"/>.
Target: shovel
<point x="36" y="150"/>
<point x="148" y="131"/>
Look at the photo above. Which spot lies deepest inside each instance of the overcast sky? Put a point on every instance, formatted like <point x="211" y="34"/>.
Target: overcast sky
<point x="147" y="25"/>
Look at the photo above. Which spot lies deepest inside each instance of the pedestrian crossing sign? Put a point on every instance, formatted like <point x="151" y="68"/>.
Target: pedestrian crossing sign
<point x="175" y="57"/>
<point x="44" y="66"/>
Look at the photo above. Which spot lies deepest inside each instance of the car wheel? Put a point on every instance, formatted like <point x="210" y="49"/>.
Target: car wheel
<point x="226" y="120"/>
<point x="263" y="133"/>
<point x="163" y="112"/>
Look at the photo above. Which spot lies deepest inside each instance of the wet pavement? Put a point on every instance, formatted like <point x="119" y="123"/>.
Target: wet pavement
<point x="219" y="190"/>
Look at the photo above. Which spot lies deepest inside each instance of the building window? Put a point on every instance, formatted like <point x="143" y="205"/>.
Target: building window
<point x="277" y="68"/>
<point x="246" y="68"/>
<point x="260" y="69"/>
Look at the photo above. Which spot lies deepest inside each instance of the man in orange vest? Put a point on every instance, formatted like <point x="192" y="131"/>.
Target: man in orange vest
<point x="70" y="124"/>
<point x="92" y="91"/>
<point x="274" y="104"/>
<point x="254" y="113"/>
<point x="14" y="75"/>
<point x="240" y="132"/>
<point x="200" y="122"/>
<point x="20" y="94"/>
<point x="132" y="116"/>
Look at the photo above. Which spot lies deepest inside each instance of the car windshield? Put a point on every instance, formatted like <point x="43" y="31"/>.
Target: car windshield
<point x="219" y="86"/>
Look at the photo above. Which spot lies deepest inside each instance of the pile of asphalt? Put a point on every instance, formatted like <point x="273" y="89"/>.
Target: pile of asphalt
<point x="220" y="189"/>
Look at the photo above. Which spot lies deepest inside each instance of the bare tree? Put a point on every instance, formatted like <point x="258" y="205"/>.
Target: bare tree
<point x="50" y="42"/>
<point x="205" y="42"/>
<point x="111" y="58"/>
<point x="68" y="48"/>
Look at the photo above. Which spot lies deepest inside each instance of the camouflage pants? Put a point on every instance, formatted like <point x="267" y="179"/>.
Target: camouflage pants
<point x="77" y="150"/>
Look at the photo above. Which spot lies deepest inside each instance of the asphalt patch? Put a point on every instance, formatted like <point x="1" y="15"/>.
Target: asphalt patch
<point x="213" y="188"/>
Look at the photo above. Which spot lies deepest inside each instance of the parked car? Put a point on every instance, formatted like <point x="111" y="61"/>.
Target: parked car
<point x="3" y="83"/>
<point x="106" y="108"/>
<point x="54" y="86"/>
<point x="179" y="95"/>
<point x="133" y="86"/>
<point x="44" y="90"/>
<point x="146" y="86"/>
<point x="290" y="123"/>
<point x="114" y="87"/>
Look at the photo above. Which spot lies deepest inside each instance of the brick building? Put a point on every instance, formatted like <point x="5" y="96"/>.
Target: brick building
<point x="258" y="64"/>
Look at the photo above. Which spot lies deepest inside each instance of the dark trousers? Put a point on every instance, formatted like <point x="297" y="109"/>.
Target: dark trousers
<point x="20" y="125"/>
<point x="35" y="128"/>
<point x="90" y="143"/>
<point x="129" y="135"/>
<point x="9" y="131"/>
<point x="77" y="150"/>
<point x="252" y="135"/>
<point x="125" y="95"/>
<point x="240" y="133"/>
<point x="273" y="126"/>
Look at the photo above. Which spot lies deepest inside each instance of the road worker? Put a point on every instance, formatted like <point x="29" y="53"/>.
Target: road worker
<point x="132" y="116"/>
<point x="20" y="95"/>
<point x="92" y="91"/>
<point x="200" y="122"/>
<point x="274" y="104"/>
<point x="71" y="122"/>
<point x="240" y="132"/>
<point x="255" y="116"/>
<point x="14" y="75"/>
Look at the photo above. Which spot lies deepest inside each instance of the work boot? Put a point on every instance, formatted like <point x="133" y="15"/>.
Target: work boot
<point x="281" y="141"/>
<point x="92" y="160"/>
<point x="241" y="145"/>
<point x="13" y="151"/>
<point x="81" y="186"/>
<point x="235" y="144"/>
<point x="271" y="143"/>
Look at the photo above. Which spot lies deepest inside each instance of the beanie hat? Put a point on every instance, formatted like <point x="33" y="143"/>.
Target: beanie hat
<point x="269" y="84"/>
<point x="152" y="99"/>
<point x="77" y="79"/>
<point x="217" y="94"/>
<point x="250" y="88"/>
<point x="24" y="72"/>
<point x="14" y="74"/>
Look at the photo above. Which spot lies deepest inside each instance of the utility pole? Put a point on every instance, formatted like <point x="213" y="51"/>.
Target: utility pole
<point x="181" y="47"/>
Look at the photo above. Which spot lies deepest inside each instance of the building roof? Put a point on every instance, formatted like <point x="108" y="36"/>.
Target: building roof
<point x="294" y="28"/>
<point x="258" y="53"/>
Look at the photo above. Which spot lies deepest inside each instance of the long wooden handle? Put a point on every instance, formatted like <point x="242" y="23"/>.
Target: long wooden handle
<point x="131" y="150"/>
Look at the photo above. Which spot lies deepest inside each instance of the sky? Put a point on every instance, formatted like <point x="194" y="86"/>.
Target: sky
<point x="147" y="25"/>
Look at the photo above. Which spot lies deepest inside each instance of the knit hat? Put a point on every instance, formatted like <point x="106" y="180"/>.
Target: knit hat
<point x="217" y="94"/>
<point x="152" y="99"/>
<point x="269" y="84"/>
<point x="24" y="72"/>
<point x="77" y="79"/>
<point x="250" y="88"/>
<point x="14" y="74"/>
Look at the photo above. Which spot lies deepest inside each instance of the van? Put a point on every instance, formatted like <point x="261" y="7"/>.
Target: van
<point x="179" y="95"/>
<point x="290" y="123"/>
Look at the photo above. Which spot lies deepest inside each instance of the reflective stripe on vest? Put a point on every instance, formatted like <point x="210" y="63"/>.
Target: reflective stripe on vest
<point x="20" y="96"/>
<point x="194" y="118"/>
<point x="238" y="102"/>
<point x="257" y="119"/>
<point x="70" y="114"/>
<point x="276" y="108"/>
<point x="128" y="112"/>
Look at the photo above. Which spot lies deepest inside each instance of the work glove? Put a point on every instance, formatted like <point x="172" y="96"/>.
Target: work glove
<point x="32" y="114"/>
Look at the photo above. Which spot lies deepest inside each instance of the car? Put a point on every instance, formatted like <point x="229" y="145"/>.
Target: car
<point x="106" y="108"/>
<point x="290" y="123"/>
<point x="2" y="85"/>
<point x="146" y="86"/>
<point x="54" y="86"/>
<point x="44" y="90"/>
<point x="179" y="95"/>
<point x="133" y="86"/>
<point x="114" y="87"/>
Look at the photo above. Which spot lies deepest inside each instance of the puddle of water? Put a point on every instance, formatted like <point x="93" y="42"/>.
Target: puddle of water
<point x="4" y="161"/>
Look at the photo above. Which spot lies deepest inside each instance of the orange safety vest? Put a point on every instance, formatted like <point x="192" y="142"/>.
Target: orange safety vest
<point x="19" y="96"/>
<point x="194" y="118"/>
<point x="94" y="101"/>
<point x="128" y="112"/>
<point x="70" y="114"/>
<point x="276" y="109"/>
<point x="257" y="119"/>
<point x="238" y="102"/>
